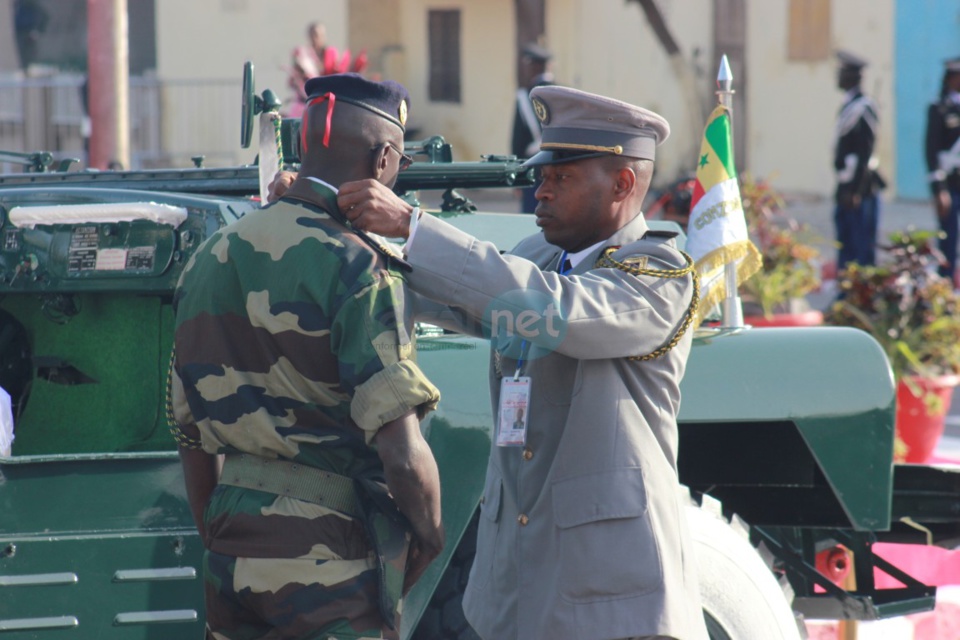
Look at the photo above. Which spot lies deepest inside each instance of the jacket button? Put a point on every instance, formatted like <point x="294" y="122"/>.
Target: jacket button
<point x="527" y="454"/>
<point x="523" y="519"/>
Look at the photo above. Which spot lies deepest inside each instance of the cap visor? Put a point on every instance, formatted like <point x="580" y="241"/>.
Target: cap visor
<point x="541" y="158"/>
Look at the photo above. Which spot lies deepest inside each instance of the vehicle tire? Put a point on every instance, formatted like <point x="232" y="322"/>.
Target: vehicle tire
<point x="443" y="618"/>
<point x="741" y="597"/>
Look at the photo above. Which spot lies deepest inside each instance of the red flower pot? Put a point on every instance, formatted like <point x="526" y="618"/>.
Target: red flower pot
<point x="918" y="427"/>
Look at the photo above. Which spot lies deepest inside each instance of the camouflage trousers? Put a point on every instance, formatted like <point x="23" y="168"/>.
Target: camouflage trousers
<point x="303" y="599"/>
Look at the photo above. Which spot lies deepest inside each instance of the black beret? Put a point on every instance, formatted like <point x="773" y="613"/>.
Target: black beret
<point x="388" y="99"/>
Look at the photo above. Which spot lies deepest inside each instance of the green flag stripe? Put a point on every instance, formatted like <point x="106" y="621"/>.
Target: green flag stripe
<point x="718" y="135"/>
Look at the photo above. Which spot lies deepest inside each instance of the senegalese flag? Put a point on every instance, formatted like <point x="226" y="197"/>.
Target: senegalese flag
<point x="717" y="231"/>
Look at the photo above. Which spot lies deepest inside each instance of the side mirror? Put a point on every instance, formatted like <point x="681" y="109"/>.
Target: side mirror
<point x="252" y="105"/>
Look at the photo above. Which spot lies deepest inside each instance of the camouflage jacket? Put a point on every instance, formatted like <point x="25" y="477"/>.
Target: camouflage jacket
<point x="292" y="341"/>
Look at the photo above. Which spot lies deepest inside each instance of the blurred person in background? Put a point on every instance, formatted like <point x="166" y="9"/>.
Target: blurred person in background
<point x="858" y="183"/>
<point x="526" y="128"/>
<point x="943" y="163"/>
<point x="316" y="59"/>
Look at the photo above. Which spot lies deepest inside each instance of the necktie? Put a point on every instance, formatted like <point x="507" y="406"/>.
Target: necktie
<point x="566" y="266"/>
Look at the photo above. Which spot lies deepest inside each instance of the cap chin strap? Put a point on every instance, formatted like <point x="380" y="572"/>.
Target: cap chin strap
<point x="557" y="159"/>
<point x="331" y="99"/>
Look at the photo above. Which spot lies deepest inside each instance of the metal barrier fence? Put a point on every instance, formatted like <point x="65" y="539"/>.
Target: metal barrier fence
<point x="171" y="121"/>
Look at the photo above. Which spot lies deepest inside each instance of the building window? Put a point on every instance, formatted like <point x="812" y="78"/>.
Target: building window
<point x="444" y="31"/>
<point x="809" y="27"/>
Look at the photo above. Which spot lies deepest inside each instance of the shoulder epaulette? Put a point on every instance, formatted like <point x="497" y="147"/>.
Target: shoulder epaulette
<point x="652" y="234"/>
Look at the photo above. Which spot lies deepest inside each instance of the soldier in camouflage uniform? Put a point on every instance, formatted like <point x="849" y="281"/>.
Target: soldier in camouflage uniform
<point x="294" y="359"/>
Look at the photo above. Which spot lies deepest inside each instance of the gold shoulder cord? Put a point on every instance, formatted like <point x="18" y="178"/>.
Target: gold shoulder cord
<point x="185" y="441"/>
<point x="607" y="261"/>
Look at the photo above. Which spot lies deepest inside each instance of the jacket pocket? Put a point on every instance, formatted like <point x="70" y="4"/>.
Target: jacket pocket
<point x="608" y="549"/>
<point x="488" y="531"/>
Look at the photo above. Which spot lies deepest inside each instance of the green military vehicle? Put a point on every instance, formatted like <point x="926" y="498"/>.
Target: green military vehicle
<point x="786" y="435"/>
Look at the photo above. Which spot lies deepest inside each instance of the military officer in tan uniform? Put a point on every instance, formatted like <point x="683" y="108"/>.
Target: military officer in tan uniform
<point x="582" y="530"/>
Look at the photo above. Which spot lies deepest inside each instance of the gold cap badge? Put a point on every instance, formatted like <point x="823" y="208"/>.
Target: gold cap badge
<point x="540" y="109"/>
<point x="402" y="116"/>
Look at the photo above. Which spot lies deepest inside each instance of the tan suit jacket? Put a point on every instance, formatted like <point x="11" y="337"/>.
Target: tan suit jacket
<point x="582" y="533"/>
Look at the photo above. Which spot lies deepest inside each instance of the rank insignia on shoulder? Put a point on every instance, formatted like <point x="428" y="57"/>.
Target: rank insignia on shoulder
<point x="389" y="251"/>
<point x="637" y="261"/>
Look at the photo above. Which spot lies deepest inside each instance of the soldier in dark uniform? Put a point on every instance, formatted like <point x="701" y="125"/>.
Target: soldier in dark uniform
<point x="943" y="162"/>
<point x="858" y="183"/>
<point x="526" y="128"/>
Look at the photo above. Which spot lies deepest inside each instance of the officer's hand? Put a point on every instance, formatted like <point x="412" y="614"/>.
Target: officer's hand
<point x="942" y="203"/>
<point x="419" y="558"/>
<point x="281" y="182"/>
<point x="373" y="206"/>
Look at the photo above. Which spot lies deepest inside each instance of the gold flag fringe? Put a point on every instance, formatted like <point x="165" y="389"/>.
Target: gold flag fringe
<point x="748" y="260"/>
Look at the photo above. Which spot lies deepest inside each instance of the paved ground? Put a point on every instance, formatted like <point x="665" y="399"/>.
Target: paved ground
<point x="940" y="624"/>
<point x="894" y="216"/>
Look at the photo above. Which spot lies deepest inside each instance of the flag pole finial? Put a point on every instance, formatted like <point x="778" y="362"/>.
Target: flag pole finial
<point x="725" y="82"/>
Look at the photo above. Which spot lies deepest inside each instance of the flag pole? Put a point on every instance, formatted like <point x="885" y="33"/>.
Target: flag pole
<point x="732" y="309"/>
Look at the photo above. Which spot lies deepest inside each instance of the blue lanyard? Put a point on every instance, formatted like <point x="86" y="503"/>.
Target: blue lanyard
<point x="523" y="347"/>
<point x="523" y="344"/>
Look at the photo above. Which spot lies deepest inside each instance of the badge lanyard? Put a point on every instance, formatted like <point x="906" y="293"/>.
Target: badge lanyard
<point x="514" y="411"/>
<point x="513" y="414"/>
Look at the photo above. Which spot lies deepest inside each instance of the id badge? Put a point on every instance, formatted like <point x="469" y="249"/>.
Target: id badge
<point x="513" y="413"/>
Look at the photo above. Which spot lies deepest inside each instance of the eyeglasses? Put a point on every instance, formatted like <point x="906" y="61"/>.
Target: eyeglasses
<point x="405" y="160"/>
